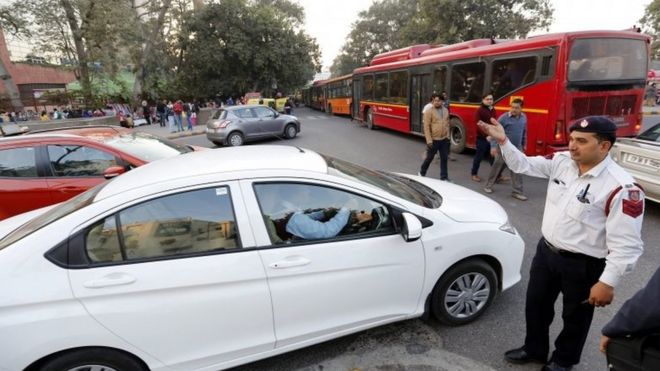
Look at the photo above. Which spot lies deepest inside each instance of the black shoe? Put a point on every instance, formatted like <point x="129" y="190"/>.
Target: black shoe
<point x="520" y="356"/>
<point x="552" y="366"/>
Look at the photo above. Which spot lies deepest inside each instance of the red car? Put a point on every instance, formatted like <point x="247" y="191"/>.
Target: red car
<point x="38" y="170"/>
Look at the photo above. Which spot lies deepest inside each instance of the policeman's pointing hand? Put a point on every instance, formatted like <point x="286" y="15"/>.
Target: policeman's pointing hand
<point x="494" y="130"/>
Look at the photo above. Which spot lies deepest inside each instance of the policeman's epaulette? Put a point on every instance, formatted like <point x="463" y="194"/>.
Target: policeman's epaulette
<point x="621" y="176"/>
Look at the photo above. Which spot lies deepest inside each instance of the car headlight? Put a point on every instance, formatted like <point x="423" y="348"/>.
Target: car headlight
<point x="507" y="227"/>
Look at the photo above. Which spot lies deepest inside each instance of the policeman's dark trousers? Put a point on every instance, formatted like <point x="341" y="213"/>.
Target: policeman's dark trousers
<point x="573" y="276"/>
<point x="442" y="148"/>
<point x="483" y="150"/>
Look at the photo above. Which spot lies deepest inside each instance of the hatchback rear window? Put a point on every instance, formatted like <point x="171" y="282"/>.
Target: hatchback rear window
<point x="219" y="114"/>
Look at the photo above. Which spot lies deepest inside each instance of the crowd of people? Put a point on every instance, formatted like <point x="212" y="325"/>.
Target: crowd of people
<point x="437" y="130"/>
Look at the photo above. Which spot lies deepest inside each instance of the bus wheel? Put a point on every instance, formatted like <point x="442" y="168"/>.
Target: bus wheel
<point x="457" y="135"/>
<point x="330" y="109"/>
<point x="370" y="120"/>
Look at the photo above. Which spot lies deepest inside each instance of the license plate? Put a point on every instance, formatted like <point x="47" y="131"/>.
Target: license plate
<point x="644" y="161"/>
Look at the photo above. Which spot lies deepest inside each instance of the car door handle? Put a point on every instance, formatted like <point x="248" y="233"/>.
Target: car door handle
<point x="113" y="279"/>
<point x="289" y="263"/>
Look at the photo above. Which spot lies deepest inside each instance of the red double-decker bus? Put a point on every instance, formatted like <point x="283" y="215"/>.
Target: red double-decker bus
<point x="560" y="77"/>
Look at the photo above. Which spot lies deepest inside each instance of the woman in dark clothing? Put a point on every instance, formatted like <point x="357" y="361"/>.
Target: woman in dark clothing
<point x="485" y="112"/>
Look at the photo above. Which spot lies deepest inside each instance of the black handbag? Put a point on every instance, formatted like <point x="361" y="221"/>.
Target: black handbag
<point x="640" y="353"/>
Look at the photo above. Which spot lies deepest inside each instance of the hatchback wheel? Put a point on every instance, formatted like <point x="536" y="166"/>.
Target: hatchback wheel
<point x="290" y="131"/>
<point x="235" y="139"/>
<point x="464" y="292"/>
<point x="93" y="359"/>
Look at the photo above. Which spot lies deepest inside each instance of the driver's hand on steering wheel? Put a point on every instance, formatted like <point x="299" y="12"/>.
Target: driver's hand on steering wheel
<point x="363" y="217"/>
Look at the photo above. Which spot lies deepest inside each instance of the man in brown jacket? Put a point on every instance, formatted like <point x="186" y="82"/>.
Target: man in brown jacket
<point x="436" y="132"/>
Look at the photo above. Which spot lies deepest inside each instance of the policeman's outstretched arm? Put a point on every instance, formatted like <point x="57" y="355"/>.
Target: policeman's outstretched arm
<point x="537" y="166"/>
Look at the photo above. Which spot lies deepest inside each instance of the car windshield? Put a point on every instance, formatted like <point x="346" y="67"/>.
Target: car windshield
<point x="607" y="59"/>
<point x="652" y="134"/>
<point x="397" y="185"/>
<point x="145" y="146"/>
<point x="56" y="213"/>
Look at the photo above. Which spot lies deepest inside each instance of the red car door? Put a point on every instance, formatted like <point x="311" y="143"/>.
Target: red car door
<point x="76" y="167"/>
<point x="21" y="187"/>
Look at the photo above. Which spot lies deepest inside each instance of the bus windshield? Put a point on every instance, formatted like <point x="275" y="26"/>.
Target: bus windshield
<point x="607" y="59"/>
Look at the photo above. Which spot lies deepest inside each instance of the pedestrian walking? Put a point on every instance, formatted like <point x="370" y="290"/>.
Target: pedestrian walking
<point x="160" y="110"/>
<point x="485" y="112"/>
<point x="650" y="94"/>
<point x="515" y="128"/>
<point x="187" y="112"/>
<point x="178" y="112"/>
<point x="146" y="112"/>
<point x="436" y="133"/>
<point x="591" y="237"/>
<point x="170" y="117"/>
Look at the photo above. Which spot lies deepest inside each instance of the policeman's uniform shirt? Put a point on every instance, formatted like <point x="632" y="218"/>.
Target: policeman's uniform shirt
<point x="606" y="223"/>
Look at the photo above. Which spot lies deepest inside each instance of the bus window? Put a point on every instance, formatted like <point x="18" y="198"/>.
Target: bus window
<point x="380" y="92"/>
<point x="607" y="59"/>
<point x="512" y="73"/>
<point x="467" y="82"/>
<point x="439" y="78"/>
<point x="399" y="87"/>
<point x="368" y="87"/>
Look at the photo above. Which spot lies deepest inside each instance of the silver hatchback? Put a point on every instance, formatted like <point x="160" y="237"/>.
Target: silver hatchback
<point x="236" y="125"/>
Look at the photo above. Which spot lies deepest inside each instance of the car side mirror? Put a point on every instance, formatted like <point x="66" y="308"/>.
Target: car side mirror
<point x="113" y="171"/>
<point x="277" y="114"/>
<point x="412" y="227"/>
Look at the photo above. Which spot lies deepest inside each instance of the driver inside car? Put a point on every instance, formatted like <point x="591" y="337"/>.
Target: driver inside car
<point x="310" y="224"/>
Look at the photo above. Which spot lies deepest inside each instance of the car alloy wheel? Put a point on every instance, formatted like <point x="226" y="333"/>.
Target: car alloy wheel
<point x="464" y="292"/>
<point x="290" y="131"/>
<point x="92" y="368"/>
<point x="235" y="139"/>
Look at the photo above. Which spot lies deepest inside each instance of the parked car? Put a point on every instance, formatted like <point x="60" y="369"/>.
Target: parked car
<point x="235" y="125"/>
<point x="178" y="267"/>
<point x="640" y="156"/>
<point x="41" y="169"/>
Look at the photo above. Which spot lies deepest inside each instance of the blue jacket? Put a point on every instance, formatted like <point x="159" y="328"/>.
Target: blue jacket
<point x="309" y="226"/>
<point x="515" y="129"/>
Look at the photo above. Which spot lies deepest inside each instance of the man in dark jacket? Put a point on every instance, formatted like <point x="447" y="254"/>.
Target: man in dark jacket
<point x="638" y="316"/>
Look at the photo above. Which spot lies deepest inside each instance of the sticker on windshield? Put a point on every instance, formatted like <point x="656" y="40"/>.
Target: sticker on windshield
<point x="220" y="191"/>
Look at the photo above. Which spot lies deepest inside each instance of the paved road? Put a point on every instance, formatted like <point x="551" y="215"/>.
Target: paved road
<point x="419" y="345"/>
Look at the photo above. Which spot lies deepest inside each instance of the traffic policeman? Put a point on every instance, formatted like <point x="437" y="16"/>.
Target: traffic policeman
<point x="591" y="237"/>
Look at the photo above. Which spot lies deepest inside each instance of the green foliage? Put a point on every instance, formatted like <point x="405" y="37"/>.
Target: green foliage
<point x="393" y="24"/>
<point x="651" y="25"/>
<point x="237" y="46"/>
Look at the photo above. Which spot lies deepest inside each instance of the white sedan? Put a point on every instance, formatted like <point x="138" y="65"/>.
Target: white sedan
<point x="193" y="262"/>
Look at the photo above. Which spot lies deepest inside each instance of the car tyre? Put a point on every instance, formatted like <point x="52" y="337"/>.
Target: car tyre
<point x="464" y="292"/>
<point x="370" y="119"/>
<point x="93" y="359"/>
<point x="457" y="135"/>
<point x="235" y="139"/>
<point x="290" y="131"/>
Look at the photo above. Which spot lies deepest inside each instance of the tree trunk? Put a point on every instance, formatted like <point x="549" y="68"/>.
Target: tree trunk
<point x="81" y="52"/>
<point x="10" y="88"/>
<point x="140" y="75"/>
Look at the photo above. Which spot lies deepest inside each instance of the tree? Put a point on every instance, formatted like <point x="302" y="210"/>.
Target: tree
<point x="93" y="33"/>
<point x="237" y="46"/>
<point x="393" y="24"/>
<point x="150" y="36"/>
<point x="378" y="29"/>
<point x="651" y="24"/>
<point x="14" y="24"/>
